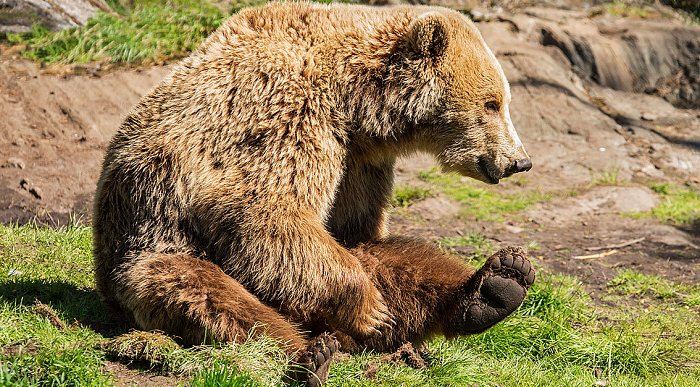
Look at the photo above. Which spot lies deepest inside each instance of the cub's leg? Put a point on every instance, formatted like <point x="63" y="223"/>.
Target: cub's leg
<point x="196" y="301"/>
<point x="429" y="292"/>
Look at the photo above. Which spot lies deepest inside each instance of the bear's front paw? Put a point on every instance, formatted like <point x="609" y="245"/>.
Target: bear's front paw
<point x="370" y="318"/>
<point x="496" y="290"/>
<point x="312" y="366"/>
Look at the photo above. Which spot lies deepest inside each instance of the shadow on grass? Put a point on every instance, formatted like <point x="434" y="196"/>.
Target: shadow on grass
<point x="73" y="304"/>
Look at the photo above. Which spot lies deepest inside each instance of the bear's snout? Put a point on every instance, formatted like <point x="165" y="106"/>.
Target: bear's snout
<point x="521" y="165"/>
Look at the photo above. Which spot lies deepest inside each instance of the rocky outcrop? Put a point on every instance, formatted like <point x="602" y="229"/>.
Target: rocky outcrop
<point x="656" y="57"/>
<point x="20" y="15"/>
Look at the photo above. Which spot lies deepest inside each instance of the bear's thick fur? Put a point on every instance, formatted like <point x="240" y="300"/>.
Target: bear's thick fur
<point x="250" y="188"/>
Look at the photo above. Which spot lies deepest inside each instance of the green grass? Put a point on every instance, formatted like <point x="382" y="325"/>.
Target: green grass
<point x="533" y="246"/>
<point x="557" y="338"/>
<point x="622" y="9"/>
<point x="255" y="362"/>
<point x="118" y="6"/>
<point x="55" y="267"/>
<point x="478" y="202"/>
<point x="404" y="195"/>
<point x="680" y="205"/>
<point x="478" y="246"/>
<point x="223" y="375"/>
<point x="630" y="282"/>
<point x="152" y="31"/>
<point x="606" y="177"/>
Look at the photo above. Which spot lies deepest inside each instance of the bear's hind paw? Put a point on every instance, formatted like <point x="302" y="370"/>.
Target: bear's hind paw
<point x="496" y="290"/>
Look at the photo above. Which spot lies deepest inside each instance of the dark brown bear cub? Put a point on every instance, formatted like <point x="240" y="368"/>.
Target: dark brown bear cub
<point x="250" y="188"/>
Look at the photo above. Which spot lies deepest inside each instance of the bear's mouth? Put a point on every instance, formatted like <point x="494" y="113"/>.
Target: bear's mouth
<point x="486" y="172"/>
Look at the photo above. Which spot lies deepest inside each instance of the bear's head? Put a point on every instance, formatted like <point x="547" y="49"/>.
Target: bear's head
<point x="456" y="94"/>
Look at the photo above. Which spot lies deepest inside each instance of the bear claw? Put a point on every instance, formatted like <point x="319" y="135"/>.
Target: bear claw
<point x="312" y="366"/>
<point x="375" y="318"/>
<point x="496" y="290"/>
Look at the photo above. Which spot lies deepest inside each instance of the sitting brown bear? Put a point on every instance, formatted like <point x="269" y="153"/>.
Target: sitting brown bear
<point x="250" y="188"/>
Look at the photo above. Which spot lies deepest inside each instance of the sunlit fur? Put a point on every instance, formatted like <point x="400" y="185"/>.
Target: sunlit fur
<point x="231" y="193"/>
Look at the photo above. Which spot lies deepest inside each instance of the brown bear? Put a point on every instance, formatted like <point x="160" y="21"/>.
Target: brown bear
<point x="250" y="188"/>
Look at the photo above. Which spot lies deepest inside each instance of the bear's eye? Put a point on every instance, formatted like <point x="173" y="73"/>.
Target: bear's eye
<point x="492" y="107"/>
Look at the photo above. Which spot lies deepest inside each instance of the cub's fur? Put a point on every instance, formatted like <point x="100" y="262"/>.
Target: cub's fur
<point x="237" y="192"/>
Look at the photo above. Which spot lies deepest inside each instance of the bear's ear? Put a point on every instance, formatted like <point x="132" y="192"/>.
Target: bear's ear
<point x="427" y="35"/>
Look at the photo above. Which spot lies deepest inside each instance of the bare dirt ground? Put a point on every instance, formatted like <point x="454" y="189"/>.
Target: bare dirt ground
<point x="583" y="102"/>
<point x="53" y="134"/>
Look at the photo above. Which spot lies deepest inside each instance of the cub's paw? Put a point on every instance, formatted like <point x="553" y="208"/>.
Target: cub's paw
<point x="312" y="365"/>
<point x="496" y="290"/>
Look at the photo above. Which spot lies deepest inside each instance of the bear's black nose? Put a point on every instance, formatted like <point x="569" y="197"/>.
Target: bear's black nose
<point x="523" y="165"/>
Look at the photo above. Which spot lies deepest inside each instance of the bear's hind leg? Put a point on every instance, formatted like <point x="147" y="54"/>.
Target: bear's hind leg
<point x="494" y="292"/>
<point x="419" y="283"/>
<point x="430" y="292"/>
<point x="196" y="301"/>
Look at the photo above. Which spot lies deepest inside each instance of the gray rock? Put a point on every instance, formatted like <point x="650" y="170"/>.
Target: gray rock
<point x="671" y="237"/>
<point x="598" y="201"/>
<point x="20" y="15"/>
<point x="435" y="208"/>
<point x="620" y="59"/>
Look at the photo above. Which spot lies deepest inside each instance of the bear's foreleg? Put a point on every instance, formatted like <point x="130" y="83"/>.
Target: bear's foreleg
<point x="430" y="292"/>
<point x="288" y="260"/>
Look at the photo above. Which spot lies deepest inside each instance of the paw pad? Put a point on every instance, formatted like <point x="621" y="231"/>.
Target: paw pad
<point x="314" y="363"/>
<point x="497" y="289"/>
<point x="512" y="262"/>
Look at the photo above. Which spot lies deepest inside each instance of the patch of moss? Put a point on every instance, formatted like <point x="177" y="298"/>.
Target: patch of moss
<point x="622" y="9"/>
<point x="152" y="348"/>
